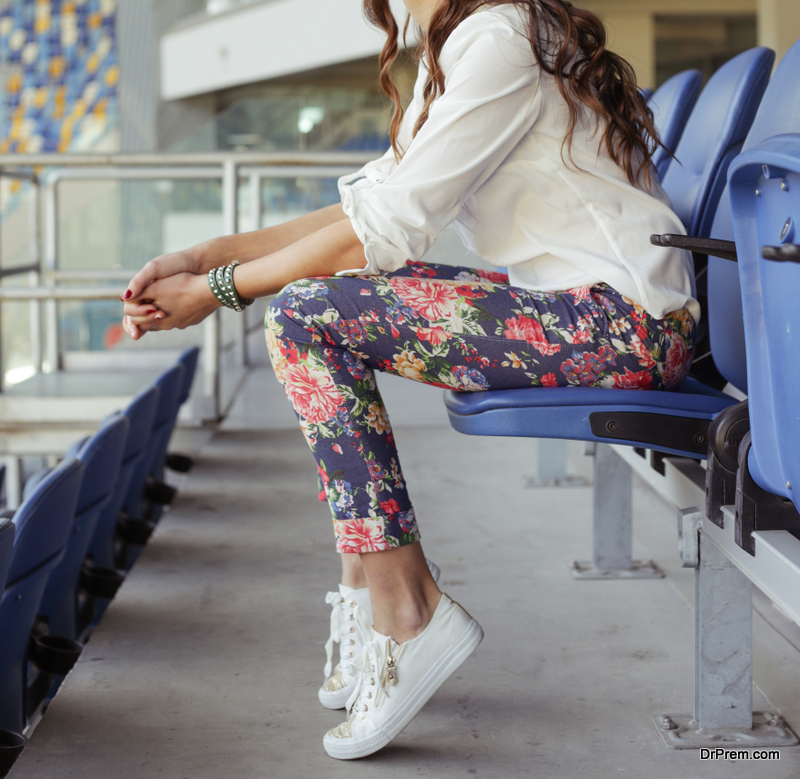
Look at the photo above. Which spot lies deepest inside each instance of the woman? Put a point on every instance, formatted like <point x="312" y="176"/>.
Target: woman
<point x="532" y="139"/>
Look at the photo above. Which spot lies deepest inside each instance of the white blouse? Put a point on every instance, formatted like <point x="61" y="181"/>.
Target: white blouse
<point x="489" y="161"/>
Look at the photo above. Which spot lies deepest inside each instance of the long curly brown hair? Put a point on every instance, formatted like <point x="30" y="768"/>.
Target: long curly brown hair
<point x="569" y="44"/>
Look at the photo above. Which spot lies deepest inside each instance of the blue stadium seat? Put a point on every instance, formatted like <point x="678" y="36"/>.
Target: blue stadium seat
<point x="188" y="358"/>
<point x="139" y="512"/>
<point x="10" y="743"/>
<point x="6" y="547"/>
<point x="672" y="105"/>
<point x="765" y="193"/>
<point x="140" y="414"/>
<point x="170" y="385"/>
<point x="180" y="462"/>
<point x="42" y="527"/>
<point x="101" y="456"/>
<point x="778" y="113"/>
<point x="713" y="135"/>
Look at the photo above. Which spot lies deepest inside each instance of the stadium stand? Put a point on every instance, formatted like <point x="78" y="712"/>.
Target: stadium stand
<point x="60" y="57"/>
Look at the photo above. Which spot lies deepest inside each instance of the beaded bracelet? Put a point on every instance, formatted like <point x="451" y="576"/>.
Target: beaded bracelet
<point x="220" y="280"/>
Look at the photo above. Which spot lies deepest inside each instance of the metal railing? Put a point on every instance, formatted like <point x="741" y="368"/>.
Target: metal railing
<point x="44" y="172"/>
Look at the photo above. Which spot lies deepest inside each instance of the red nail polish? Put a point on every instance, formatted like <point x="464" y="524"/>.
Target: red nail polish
<point x="127" y="295"/>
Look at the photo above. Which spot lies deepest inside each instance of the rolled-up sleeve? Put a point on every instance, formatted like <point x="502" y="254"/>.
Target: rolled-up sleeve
<point x="490" y="102"/>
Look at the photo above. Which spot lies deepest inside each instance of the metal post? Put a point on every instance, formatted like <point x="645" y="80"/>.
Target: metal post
<point x="211" y="389"/>
<point x="230" y="224"/>
<point x="13" y="480"/>
<point x="255" y="224"/>
<point x="51" y="263"/>
<point x="2" y="370"/>
<point x="723" y="623"/>
<point x="34" y="278"/>
<point x="723" y="683"/>
<point x="2" y="356"/>
<point x="212" y="327"/>
<point x="552" y="461"/>
<point x="230" y="197"/>
<point x="613" y="523"/>
<point x="255" y="201"/>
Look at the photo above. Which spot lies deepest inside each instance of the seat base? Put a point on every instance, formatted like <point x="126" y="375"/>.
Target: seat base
<point x="683" y="731"/>
<point x="638" y="570"/>
<point x="675" y="423"/>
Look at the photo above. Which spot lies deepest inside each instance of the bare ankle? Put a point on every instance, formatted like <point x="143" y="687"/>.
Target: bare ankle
<point x="409" y="618"/>
<point x="353" y="572"/>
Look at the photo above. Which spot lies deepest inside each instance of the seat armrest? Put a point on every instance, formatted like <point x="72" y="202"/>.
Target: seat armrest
<point x="723" y="249"/>
<point x="789" y="252"/>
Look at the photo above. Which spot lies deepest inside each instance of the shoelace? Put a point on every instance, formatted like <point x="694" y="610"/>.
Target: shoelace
<point x="377" y="668"/>
<point x="357" y="621"/>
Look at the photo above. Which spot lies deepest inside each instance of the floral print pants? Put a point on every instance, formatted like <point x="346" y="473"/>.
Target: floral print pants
<point x="456" y="328"/>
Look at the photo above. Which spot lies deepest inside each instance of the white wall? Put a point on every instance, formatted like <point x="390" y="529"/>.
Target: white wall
<point x="262" y="41"/>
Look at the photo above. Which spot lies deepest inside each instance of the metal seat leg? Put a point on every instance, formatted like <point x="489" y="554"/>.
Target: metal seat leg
<point x="612" y="529"/>
<point x="723" y="705"/>
<point x="552" y="468"/>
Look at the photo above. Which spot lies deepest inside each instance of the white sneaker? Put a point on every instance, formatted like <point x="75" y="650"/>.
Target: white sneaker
<point x="398" y="679"/>
<point x="351" y="626"/>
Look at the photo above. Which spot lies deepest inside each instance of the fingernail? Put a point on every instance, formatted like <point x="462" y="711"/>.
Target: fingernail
<point x="127" y="295"/>
<point x="158" y="316"/>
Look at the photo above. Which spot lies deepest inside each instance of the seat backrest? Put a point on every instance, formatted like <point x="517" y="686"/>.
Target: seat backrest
<point x="141" y="412"/>
<point x="188" y="358"/>
<point x="765" y="193"/>
<point x="169" y="384"/>
<point x="101" y="455"/>
<point x="778" y="113"/>
<point x="672" y="104"/>
<point x="43" y="521"/>
<point x="6" y="547"/>
<point x="169" y="387"/>
<point x="718" y="124"/>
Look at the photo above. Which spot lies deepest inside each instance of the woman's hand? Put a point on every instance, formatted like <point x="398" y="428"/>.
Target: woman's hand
<point x="178" y="301"/>
<point x="161" y="268"/>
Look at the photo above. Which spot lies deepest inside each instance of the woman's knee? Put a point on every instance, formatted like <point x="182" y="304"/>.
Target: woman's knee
<point x="288" y="311"/>
<point x="289" y="297"/>
<point x="285" y="324"/>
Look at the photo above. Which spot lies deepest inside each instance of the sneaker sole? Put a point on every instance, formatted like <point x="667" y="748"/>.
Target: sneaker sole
<point x="437" y="675"/>
<point x="336" y="699"/>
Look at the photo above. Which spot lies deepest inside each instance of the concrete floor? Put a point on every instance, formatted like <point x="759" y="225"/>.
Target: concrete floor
<point x="208" y="661"/>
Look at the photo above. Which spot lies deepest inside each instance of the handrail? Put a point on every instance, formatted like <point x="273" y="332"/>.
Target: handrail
<point x="61" y="293"/>
<point x="18" y="269"/>
<point x="25" y="175"/>
<point x="178" y="172"/>
<point x="212" y="159"/>
<point x="88" y="274"/>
